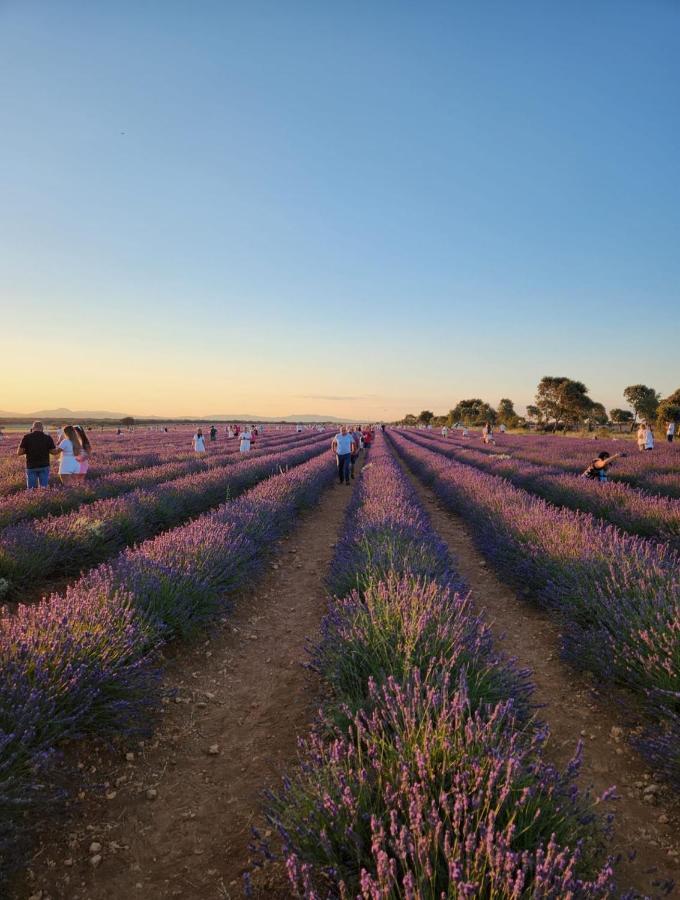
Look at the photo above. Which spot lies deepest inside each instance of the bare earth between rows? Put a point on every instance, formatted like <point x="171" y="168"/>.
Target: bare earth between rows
<point x="647" y="823"/>
<point x="176" y="821"/>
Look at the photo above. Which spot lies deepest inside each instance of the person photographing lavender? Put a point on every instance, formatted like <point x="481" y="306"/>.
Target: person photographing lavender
<point x="597" y="470"/>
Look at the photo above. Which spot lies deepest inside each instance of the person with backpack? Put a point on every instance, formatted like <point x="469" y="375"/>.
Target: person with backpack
<point x="597" y="470"/>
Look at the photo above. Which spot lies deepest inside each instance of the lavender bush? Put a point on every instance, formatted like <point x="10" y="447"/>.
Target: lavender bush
<point x="616" y="595"/>
<point x="424" y="775"/>
<point x="83" y="663"/>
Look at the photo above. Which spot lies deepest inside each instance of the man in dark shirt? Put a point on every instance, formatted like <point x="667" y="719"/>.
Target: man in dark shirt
<point x="37" y="447"/>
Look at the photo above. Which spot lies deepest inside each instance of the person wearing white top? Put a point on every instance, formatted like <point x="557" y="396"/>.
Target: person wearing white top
<point x="198" y="442"/>
<point x="641" y="437"/>
<point x="246" y="436"/>
<point x="649" y="438"/>
<point x="344" y="445"/>
<point x="445" y="431"/>
<point x="670" y="432"/>
<point x="70" y="448"/>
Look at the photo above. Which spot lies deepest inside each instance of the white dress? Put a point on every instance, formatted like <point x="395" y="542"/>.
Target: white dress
<point x="199" y="443"/>
<point x="245" y="442"/>
<point x="68" y="464"/>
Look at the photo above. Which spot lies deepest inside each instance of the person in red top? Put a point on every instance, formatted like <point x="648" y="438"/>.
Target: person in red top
<point x="368" y="437"/>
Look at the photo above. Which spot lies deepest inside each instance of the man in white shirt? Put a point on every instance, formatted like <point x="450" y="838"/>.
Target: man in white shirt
<point x="670" y="432"/>
<point x="344" y="445"/>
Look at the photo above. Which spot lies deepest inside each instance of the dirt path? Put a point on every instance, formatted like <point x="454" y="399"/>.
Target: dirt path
<point x="178" y="814"/>
<point x="647" y="822"/>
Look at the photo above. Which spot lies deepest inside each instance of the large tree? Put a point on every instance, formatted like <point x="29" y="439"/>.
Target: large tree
<point x="507" y="414"/>
<point x="426" y="417"/>
<point x="563" y="400"/>
<point x="643" y="399"/>
<point x="598" y="414"/>
<point x="621" y="416"/>
<point x="472" y="412"/>
<point x="669" y="408"/>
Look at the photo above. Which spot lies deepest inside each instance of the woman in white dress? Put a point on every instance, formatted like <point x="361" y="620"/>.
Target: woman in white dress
<point x="198" y="442"/>
<point x="70" y="447"/>
<point x="245" y="440"/>
<point x="649" y="438"/>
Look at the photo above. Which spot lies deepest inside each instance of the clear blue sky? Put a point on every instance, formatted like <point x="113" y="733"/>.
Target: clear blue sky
<point x="359" y="208"/>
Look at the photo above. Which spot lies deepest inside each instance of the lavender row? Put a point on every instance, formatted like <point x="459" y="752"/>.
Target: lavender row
<point x="632" y="509"/>
<point x="424" y="776"/>
<point x="85" y="662"/>
<point x="128" y="452"/>
<point x="66" y="544"/>
<point x="618" y="596"/>
<point x="57" y="500"/>
<point x="657" y="471"/>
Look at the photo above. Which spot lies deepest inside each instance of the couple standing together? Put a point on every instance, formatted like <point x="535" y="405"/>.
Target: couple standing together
<point x="73" y="451"/>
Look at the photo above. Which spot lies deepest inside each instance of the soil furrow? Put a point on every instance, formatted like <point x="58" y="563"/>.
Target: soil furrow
<point x="179" y="810"/>
<point x="647" y="818"/>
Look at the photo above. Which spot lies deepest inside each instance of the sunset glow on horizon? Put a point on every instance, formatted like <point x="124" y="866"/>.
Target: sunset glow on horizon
<point x="338" y="211"/>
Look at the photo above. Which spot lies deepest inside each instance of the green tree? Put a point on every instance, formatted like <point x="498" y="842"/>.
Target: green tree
<point x="127" y="420"/>
<point x="621" y="416"/>
<point x="597" y="415"/>
<point x="410" y="419"/>
<point x="507" y="414"/>
<point x="669" y="409"/>
<point x="472" y="412"/>
<point x="533" y="413"/>
<point x="426" y="416"/>
<point x="563" y="400"/>
<point x="643" y="399"/>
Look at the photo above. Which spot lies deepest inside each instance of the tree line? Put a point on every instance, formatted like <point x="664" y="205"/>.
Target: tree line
<point x="561" y="403"/>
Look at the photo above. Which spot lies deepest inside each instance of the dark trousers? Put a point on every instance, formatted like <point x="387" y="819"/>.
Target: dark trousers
<point x="353" y="459"/>
<point x="344" y="464"/>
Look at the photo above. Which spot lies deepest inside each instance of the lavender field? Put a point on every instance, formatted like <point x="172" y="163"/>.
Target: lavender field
<point x="427" y="770"/>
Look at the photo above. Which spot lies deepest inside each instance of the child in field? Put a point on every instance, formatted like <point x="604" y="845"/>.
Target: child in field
<point x="641" y="437"/>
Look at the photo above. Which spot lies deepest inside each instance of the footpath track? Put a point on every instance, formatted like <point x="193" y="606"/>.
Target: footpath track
<point x="647" y="822"/>
<point x="242" y="698"/>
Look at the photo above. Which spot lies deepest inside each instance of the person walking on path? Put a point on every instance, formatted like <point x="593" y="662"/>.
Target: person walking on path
<point x="670" y="432"/>
<point x="649" y="438"/>
<point x="343" y="445"/>
<point x="198" y="441"/>
<point x="71" y="449"/>
<point x="37" y="447"/>
<point x="85" y="452"/>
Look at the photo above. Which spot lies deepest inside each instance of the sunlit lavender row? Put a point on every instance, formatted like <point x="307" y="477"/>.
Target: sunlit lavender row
<point x="424" y="776"/>
<point x="56" y="499"/>
<point x="84" y="662"/>
<point x="57" y="545"/>
<point x="632" y="509"/>
<point x="615" y="595"/>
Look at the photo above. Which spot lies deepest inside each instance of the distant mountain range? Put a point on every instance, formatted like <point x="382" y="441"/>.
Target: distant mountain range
<point x="76" y="414"/>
